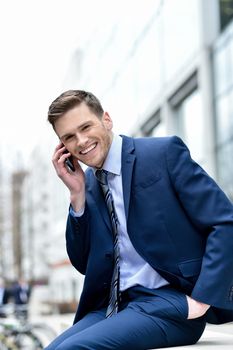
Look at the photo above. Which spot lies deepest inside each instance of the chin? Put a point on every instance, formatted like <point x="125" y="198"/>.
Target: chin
<point x="95" y="162"/>
<point x="93" y="165"/>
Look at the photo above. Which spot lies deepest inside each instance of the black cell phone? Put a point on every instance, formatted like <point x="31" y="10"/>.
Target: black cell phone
<point x="69" y="162"/>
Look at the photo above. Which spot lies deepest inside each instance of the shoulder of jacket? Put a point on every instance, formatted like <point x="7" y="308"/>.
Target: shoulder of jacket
<point x="163" y="140"/>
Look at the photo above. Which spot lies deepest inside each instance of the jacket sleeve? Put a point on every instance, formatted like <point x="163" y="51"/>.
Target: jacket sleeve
<point x="209" y="209"/>
<point x="78" y="240"/>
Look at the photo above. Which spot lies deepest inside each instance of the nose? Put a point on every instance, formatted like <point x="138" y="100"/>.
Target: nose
<point x="81" y="140"/>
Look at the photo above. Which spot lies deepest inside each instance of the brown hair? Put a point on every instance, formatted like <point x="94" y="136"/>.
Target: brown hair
<point x="70" y="99"/>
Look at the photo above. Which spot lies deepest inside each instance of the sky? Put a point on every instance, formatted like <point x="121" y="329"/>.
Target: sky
<point x="37" y="38"/>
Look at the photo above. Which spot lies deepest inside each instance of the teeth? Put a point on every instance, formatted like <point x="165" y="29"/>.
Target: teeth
<point x="88" y="149"/>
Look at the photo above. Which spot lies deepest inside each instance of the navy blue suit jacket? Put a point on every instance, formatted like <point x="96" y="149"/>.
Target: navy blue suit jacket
<point x="178" y="220"/>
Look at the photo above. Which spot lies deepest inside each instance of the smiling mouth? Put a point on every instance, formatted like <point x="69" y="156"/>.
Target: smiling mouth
<point x="88" y="149"/>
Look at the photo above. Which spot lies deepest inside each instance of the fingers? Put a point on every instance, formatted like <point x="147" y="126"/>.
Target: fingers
<point x="74" y="180"/>
<point x="196" y="308"/>
<point x="59" y="151"/>
<point x="59" y="157"/>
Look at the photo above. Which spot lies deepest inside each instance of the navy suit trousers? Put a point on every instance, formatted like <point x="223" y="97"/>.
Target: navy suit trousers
<point x="147" y="319"/>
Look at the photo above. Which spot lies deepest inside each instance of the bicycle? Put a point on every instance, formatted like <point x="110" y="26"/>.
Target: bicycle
<point x="18" y="333"/>
<point x="5" y="343"/>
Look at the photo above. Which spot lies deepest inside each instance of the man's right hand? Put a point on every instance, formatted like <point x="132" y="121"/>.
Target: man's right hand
<point x="74" y="180"/>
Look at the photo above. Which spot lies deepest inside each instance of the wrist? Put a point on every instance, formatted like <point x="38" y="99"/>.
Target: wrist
<point x="77" y="202"/>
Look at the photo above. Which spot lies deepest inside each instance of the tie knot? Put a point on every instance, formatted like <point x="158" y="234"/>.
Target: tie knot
<point x="102" y="176"/>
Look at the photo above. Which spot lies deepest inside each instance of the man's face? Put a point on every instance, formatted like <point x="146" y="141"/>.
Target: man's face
<point x="86" y="137"/>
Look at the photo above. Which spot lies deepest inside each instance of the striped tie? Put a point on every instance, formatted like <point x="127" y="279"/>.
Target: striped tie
<point x="112" y="309"/>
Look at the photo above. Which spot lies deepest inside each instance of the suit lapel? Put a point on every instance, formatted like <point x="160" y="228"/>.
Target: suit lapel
<point x="127" y="160"/>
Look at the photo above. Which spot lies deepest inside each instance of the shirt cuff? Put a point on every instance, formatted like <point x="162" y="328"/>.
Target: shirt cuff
<point x="76" y="214"/>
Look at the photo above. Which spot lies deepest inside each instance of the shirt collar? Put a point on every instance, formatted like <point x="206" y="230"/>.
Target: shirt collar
<point x="112" y="162"/>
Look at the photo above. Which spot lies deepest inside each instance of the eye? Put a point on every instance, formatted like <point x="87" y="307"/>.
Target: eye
<point x="86" y="127"/>
<point x="68" y="137"/>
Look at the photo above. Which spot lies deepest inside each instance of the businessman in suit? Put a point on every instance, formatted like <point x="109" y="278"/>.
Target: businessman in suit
<point x="21" y="293"/>
<point x="151" y="231"/>
<point x="4" y="297"/>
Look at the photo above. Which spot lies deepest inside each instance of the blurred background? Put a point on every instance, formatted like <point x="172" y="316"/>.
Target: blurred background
<point x="160" y="67"/>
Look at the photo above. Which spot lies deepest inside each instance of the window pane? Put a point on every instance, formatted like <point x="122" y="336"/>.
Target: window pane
<point x="221" y="70"/>
<point x="223" y="119"/>
<point x="225" y="168"/>
<point x="226" y="12"/>
<point x="190" y="125"/>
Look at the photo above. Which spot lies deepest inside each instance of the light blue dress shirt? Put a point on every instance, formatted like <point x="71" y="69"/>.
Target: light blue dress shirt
<point x="1" y="295"/>
<point x="134" y="270"/>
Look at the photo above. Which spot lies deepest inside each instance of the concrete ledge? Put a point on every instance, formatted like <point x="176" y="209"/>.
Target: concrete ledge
<point x="213" y="338"/>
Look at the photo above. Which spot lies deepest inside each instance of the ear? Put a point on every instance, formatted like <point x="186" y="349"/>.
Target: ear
<point x="107" y="121"/>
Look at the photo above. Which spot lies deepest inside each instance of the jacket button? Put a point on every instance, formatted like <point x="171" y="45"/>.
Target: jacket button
<point x="105" y="285"/>
<point x="108" y="255"/>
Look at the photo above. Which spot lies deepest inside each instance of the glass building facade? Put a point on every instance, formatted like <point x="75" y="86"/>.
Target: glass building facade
<point x="223" y="98"/>
<point x="165" y="70"/>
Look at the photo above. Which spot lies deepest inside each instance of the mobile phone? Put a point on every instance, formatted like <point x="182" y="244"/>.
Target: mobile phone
<point x="69" y="162"/>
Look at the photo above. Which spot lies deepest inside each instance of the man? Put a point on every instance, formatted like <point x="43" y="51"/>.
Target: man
<point x="21" y="294"/>
<point x="4" y="297"/>
<point x="153" y="234"/>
